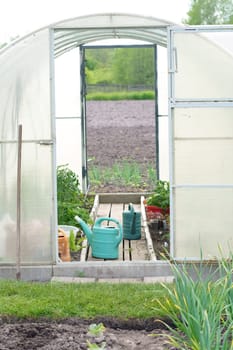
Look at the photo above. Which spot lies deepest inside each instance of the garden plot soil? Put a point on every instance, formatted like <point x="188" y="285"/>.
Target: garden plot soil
<point x="116" y="131"/>
<point x="121" y="130"/>
<point x="72" y="334"/>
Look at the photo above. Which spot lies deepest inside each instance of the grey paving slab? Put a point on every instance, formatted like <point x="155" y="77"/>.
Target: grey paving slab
<point x="147" y="280"/>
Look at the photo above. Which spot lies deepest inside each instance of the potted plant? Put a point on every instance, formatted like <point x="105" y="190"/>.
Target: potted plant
<point x="158" y="202"/>
<point x="75" y="244"/>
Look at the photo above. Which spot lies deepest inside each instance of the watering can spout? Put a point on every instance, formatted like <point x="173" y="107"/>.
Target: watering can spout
<point x="86" y="229"/>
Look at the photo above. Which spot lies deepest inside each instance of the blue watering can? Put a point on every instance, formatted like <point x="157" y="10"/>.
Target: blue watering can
<point x="104" y="240"/>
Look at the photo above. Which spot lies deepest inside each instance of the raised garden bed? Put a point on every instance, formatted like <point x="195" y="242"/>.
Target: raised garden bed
<point x="160" y="235"/>
<point x="157" y="225"/>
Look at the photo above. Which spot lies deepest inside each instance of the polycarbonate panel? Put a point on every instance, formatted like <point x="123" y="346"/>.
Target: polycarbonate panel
<point x="66" y="40"/>
<point x="203" y="122"/>
<point x="68" y="108"/>
<point x="36" y="203"/>
<point x="204" y="222"/>
<point x="69" y="145"/>
<point x="162" y="80"/>
<point x="204" y="69"/>
<point x="25" y="99"/>
<point x="203" y="143"/>
<point x="8" y="183"/>
<point x="37" y="209"/>
<point x="111" y="20"/>
<point x="204" y="162"/>
<point x="25" y="92"/>
<point x="88" y="29"/>
<point x="67" y="80"/>
<point x="163" y="113"/>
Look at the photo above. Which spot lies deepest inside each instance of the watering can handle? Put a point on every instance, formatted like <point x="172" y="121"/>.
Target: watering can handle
<point x="130" y="207"/>
<point x="100" y="220"/>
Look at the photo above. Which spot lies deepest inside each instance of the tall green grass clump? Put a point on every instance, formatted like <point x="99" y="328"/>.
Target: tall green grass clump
<point x="201" y="308"/>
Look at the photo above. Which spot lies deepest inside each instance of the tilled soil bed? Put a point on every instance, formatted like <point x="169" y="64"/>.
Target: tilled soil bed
<point x="72" y="334"/>
<point x="118" y="131"/>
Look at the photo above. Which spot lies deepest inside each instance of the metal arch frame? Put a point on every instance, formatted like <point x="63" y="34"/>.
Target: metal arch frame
<point x="63" y="40"/>
<point x="66" y="39"/>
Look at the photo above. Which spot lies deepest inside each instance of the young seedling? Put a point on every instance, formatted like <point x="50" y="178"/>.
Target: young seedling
<point x="94" y="346"/>
<point x="96" y="329"/>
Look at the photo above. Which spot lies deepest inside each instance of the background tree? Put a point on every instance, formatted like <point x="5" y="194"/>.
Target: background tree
<point x="133" y="66"/>
<point x="98" y="65"/>
<point x="210" y="12"/>
<point x="126" y="66"/>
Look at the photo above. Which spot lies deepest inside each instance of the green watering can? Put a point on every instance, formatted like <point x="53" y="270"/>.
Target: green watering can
<point x="131" y="224"/>
<point x="104" y="240"/>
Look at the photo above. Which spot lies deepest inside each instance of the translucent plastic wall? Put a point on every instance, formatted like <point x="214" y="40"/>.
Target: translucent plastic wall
<point x="202" y="145"/>
<point x="68" y="112"/>
<point x="163" y="112"/>
<point x="25" y="99"/>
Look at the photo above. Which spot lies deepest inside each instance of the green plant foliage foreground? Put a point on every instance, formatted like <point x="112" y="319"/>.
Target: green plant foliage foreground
<point x="70" y="200"/>
<point x="201" y="308"/>
<point x="58" y="300"/>
<point x="125" y="173"/>
<point x="161" y="195"/>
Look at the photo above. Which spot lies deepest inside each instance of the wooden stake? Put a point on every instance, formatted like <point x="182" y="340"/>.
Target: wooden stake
<point x="18" y="224"/>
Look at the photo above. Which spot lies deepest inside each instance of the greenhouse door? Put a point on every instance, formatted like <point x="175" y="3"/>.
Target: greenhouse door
<point x="69" y="116"/>
<point x="201" y="141"/>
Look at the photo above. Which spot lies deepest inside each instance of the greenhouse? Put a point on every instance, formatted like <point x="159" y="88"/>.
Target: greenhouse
<point x="42" y="122"/>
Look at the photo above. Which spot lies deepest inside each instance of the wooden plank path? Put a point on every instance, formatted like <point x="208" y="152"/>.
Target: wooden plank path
<point x="135" y="250"/>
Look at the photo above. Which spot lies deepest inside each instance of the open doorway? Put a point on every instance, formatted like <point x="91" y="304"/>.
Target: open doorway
<point x="121" y="117"/>
<point x="115" y="138"/>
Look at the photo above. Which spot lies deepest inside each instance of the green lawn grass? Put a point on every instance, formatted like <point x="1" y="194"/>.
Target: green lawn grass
<point x="121" y="95"/>
<point x="86" y="300"/>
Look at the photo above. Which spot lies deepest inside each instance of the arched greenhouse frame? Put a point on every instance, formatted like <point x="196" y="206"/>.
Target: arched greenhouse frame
<point x="199" y="102"/>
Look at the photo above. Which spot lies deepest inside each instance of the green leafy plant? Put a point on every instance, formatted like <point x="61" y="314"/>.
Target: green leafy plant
<point x="96" y="329"/>
<point x="70" y="200"/>
<point x="94" y="346"/>
<point x="72" y="244"/>
<point x="161" y="195"/>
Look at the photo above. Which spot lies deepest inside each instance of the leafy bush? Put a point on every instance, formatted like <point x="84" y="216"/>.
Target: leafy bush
<point x="70" y="200"/>
<point x="161" y="195"/>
